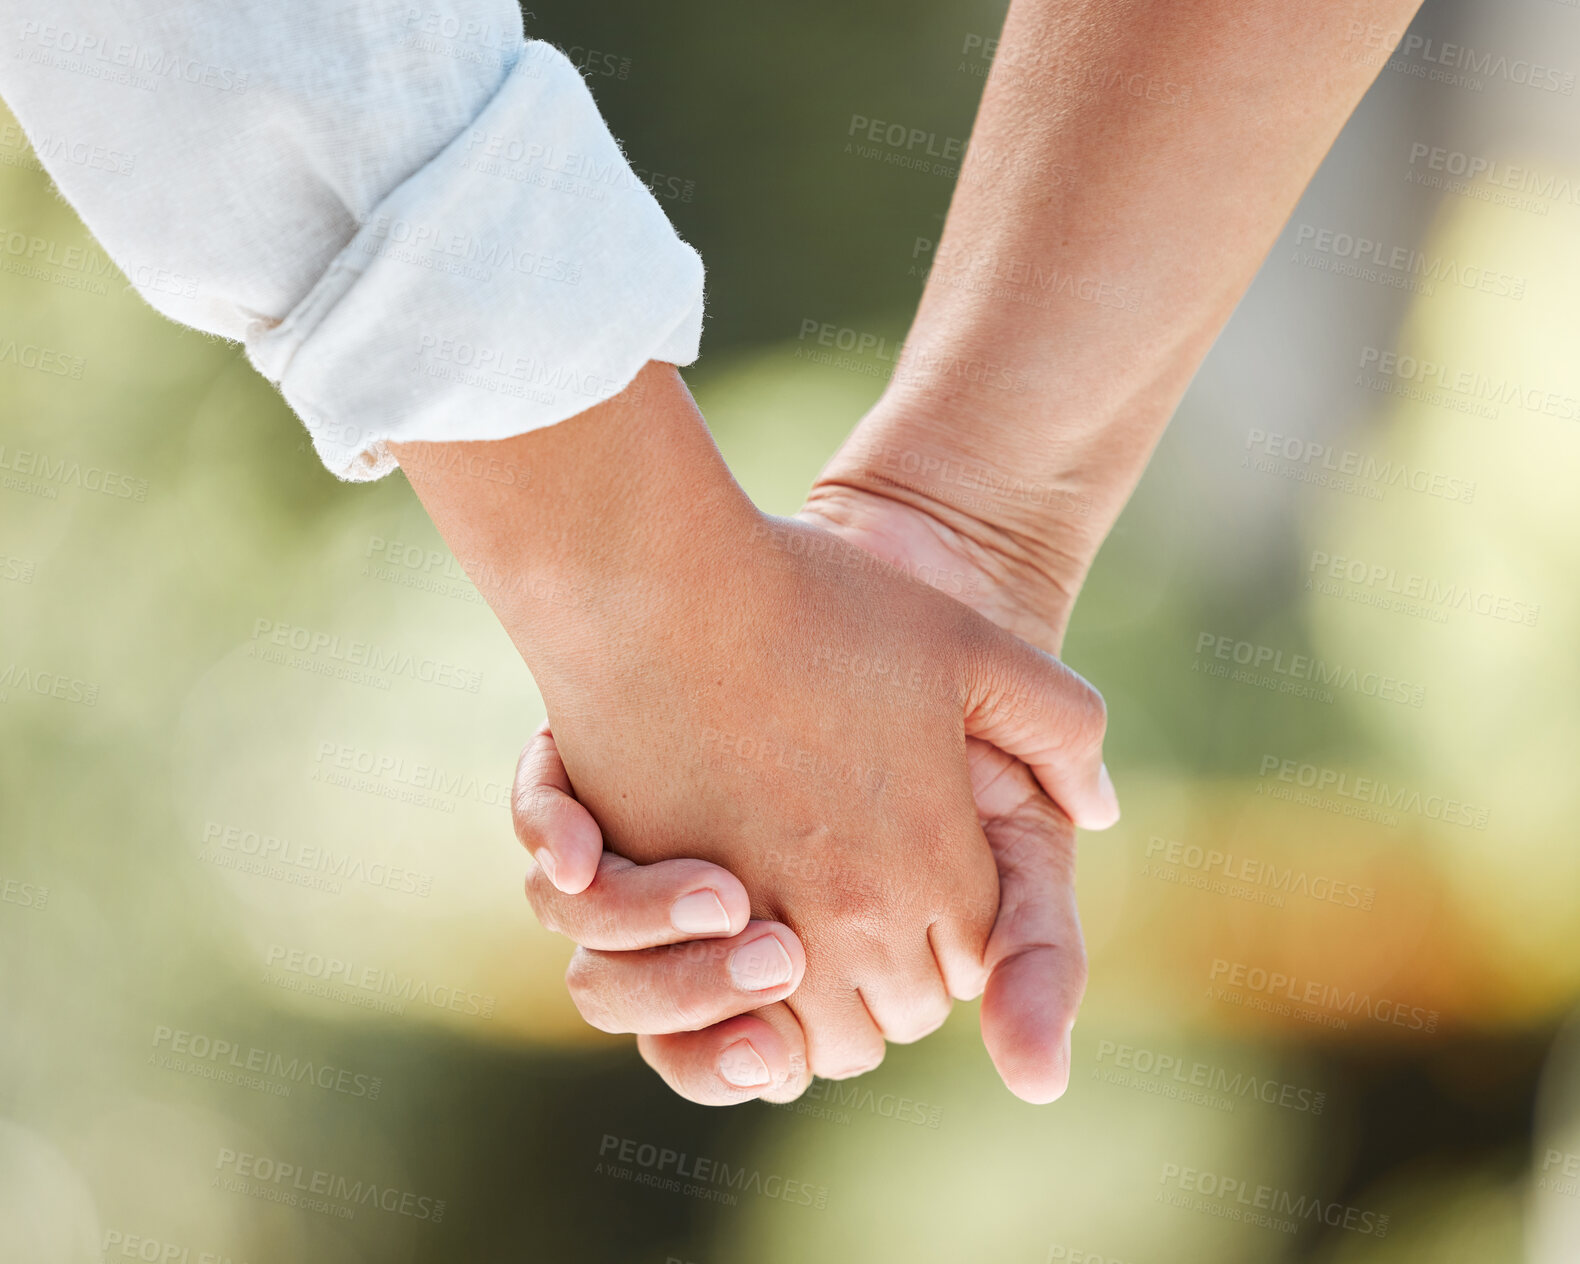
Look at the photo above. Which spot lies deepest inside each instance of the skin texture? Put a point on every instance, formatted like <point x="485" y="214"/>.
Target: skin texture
<point x="1034" y="960"/>
<point x="1022" y="415"/>
<point x="1131" y="165"/>
<point x="674" y="632"/>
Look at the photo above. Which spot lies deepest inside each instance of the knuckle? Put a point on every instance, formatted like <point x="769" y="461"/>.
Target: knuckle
<point x="847" y="1065"/>
<point x="789" y="1089"/>
<point x="528" y="812"/>
<point x="581" y="981"/>
<point x="698" y="1091"/>
<point x="540" y="894"/>
<point x="677" y="1070"/>
<point x="542" y="904"/>
<point x="970" y="898"/>
<point x="606" y="930"/>
<point x="918" y="1021"/>
<point x="1091" y="714"/>
<point x="523" y="780"/>
<point x="969" y="982"/>
<point x="864" y="905"/>
<point x="690" y="1012"/>
<point x="579" y="975"/>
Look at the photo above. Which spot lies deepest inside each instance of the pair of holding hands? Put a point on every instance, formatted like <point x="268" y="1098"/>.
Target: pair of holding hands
<point x="857" y="803"/>
<point x="773" y="865"/>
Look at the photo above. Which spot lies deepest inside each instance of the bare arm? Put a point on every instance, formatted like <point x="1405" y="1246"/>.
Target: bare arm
<point x="1131" y="165"/>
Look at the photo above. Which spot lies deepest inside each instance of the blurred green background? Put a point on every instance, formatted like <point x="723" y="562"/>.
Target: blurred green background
<point x="179" y="510"/>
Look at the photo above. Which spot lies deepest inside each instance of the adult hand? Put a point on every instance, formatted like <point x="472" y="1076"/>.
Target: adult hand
<point x="1034" y="958"/>
<point x="842" y="802"/>
<point x="698" y="706"/>
<point x="626" y="976"/>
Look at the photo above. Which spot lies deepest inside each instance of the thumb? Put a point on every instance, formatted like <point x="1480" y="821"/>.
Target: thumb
<point x="1031" y="706"/>
<point x="1035" y="957"/>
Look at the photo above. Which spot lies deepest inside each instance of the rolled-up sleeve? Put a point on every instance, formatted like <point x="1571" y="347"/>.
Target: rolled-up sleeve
<point x="415" y="220"/>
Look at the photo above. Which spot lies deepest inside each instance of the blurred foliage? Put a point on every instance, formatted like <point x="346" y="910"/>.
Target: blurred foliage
<point x="120" y="809"/>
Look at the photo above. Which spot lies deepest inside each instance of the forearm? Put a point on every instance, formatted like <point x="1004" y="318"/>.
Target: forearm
<point x="572" y="532"/>
<point x="1131" y="165"/>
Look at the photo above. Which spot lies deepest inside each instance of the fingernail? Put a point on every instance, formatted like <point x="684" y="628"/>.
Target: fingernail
<point x="545" y="861"/>
<point x="1105" y="785"/>
<point x="760" y="965"/>
<point x="743" y="1066"/>
<point x="700" y="913"/>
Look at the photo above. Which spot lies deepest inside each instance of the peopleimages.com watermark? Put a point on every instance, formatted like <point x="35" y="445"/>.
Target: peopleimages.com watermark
<point x="509" y="156"/>
<point x="1325" y="1004"/>
<point x="400" y="779"/>
<point x="906" y="683"/>
<point x="1459" y="388"/>
<point x="461" y="39"/>
<point x="430" y="570"/>
<point x="744" y="752"/>
<point x="437" y="248"/>
<point x="1421" y="596"/>
<point x="507" y="371"/>
<point x="314" y="1189"/>
<point x="970" y="484"/>
<point x="1348" y="470"/>
<point x="247" y="1066"/>
<point x="1247" y="878"/>
<point x="698" y="1176"/>
<point x="1299" y="675"/>
<point x="15" y="150"/>
<point x="42" y="683"/>
<point x="1371" y="798"/>
<point x="1060" y="1254"/>
<point x="1454" y="64"/>
<point x="314" y="866"/>
<point x="28" y="895"/>
<point x="901" y="145"/>
<point x="1049" y="66"/>
<point x="355" y="661"/>
<point x="792" y="549"/>
<point x="43" y="475"/>
<point x="1488" y="179"/>
<point x="75" y="151"/>
<point x="1182" y="1078"/>
<point x="366" y="986"/>
<point x="1559" y="1173"/>
<point x="1267" y="1206"/>
<point x="875" y="355"/>
<point x="127" y="63"/>
<point x="45" y="259"/>
<point x="17" y="570"/>
<point x="50" y="361"/>
<point x="1400" y="267"/>
<point x="122" y="1244"/>
<point x="839" y="1100"/>
<point x="1015" y="278"/>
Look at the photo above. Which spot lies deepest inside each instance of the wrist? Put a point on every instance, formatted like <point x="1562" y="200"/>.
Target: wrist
<point x="938" y="481"/>
<point x="929" y="543"/>
<point x="617" y="510"/>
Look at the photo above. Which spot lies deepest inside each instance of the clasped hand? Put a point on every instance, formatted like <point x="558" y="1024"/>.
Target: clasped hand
<point x="773" y="864"/>
<point x="817" y="801"/>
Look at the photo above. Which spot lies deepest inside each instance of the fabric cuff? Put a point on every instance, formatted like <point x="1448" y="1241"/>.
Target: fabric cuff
<point x="523" y="275"/>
